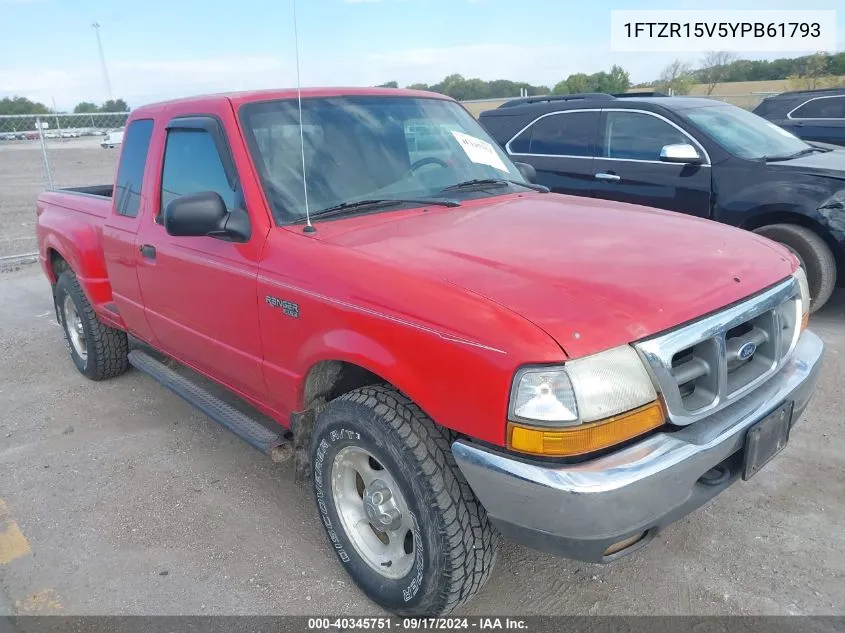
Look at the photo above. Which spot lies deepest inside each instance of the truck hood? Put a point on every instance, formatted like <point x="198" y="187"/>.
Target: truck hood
<point x="593" y="274"/>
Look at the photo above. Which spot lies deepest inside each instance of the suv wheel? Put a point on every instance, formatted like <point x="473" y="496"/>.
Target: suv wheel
<point x="814" y="254"/>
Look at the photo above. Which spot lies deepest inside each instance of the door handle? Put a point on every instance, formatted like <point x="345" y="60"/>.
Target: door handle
<point x="607" y="177"/>
<point x="148" y="251"/>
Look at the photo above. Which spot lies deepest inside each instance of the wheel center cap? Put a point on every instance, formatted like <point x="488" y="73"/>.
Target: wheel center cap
<point x="380" y="507"/>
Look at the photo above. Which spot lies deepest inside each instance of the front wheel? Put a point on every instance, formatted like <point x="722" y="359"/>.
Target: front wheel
<point x="815" y="256"/>
<point x="400" y="515"/>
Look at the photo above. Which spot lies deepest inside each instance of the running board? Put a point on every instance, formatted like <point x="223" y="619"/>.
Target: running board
<point x="249" y="430"/>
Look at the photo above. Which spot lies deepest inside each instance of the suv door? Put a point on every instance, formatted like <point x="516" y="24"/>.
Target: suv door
<point x="821" y="119"/>
<point x="628" y="167"/>
<point x="560" y="146"/>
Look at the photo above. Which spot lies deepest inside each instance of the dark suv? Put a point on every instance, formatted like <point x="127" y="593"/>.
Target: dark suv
<point x="697" y="156"/>
<point x="814" y="115"/>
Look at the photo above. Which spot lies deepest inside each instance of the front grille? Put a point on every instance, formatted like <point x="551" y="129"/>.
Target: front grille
<point x="702" y="367"/>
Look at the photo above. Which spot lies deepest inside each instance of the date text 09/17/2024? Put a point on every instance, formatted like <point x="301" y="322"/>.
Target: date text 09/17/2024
<point x="417" y="624"/>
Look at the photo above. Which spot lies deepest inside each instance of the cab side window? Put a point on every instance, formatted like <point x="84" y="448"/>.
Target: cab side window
<point x="130" y="174"/>
<point x="192" y="164"/>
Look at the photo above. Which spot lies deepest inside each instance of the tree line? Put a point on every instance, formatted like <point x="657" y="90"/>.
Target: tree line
<point x="462" y="89"/>
<point x="820" y="70"/>
<point x="22" y="105"/>
<point x="805" y="73"/>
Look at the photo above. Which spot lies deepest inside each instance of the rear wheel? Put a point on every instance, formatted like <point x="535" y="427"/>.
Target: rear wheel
<point x="97" y="350"/>
<point x="815" y="256"/>
<point x="399" y="513"/>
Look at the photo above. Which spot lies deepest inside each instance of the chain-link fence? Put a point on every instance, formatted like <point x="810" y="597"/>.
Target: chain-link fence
<point x="47" y="151"/>
<point x="21" y="127"/>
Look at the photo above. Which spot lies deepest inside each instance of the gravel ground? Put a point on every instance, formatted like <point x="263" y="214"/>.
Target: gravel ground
<point x="129" y="501"/>
<point x="73" y="163"/>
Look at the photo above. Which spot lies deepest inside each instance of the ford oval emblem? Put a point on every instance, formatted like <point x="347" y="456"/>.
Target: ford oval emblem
<point x="747" y="351"/>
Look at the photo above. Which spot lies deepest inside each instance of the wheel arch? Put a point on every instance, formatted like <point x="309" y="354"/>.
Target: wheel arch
<point x="767" y="216"/>
<point x="57" y="264"/>
<point x="333" y="374"/>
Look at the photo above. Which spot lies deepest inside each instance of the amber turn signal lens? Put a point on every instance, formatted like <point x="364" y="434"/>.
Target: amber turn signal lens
<point x="586" y="438"/>
<point x="805" y="321"/>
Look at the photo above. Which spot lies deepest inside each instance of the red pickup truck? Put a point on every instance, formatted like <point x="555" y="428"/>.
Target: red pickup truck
<point x="449" y="351"/>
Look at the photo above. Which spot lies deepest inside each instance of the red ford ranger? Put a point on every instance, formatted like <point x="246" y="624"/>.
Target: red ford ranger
<point x="447" y="350"/>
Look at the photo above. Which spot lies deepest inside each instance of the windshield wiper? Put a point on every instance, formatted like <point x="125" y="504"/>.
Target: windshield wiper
<point x="492" y="182"/>
<point x="360" y="205"/>
<point x="798" y="154"/>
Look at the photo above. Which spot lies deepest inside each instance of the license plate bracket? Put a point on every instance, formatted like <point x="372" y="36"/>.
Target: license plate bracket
<point x="766" y="438"/>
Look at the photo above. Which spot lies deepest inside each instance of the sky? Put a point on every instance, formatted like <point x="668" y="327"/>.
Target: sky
<point x="160" y="49"/>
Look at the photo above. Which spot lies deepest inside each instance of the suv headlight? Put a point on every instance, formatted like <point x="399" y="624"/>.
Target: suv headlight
<point x="588" y="404"/>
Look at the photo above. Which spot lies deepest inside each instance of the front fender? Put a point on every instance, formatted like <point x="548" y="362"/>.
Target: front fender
<point x="353" y="347"/>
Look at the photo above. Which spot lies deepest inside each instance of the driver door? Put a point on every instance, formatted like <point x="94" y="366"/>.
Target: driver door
<point x="628" y="168"/>
<point x="200" y="293"/>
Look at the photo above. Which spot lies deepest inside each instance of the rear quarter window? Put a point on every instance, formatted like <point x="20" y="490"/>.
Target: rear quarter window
<point x="821" y="108"/>
<point x="130" y="174"/>
<point x="559" y="134"/>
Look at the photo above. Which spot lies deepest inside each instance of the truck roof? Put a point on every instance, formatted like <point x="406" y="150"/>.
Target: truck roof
<point x="239" y="98"/>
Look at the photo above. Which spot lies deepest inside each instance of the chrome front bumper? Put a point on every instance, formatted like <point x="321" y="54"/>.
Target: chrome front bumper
<point x="581" y="510"/>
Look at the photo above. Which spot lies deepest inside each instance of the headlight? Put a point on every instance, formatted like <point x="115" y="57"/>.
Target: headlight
<point x="801" y="276"/>
<point x="588" y="404"/>
<point x="585" y="390"/>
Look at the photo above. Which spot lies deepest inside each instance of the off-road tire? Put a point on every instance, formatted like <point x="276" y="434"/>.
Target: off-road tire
<point x="108" y="348"/>
<point x="816" y="258"/>
<point x="455" y="544"/>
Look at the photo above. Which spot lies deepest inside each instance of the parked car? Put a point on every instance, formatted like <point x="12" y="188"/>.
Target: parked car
<point x="696" y="156"/>
<point x="448" y="351"/>
<point x="813" y="115"/>
<point x="112" y="140"/>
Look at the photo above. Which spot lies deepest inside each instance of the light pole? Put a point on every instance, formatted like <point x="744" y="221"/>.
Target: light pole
<point x="96" y="26"/>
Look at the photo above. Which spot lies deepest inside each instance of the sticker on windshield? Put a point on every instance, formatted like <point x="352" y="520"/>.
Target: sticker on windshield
<point x="479" y="151"/>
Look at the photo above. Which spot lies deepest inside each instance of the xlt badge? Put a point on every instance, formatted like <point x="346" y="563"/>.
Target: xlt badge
<point x="290" y="308"/>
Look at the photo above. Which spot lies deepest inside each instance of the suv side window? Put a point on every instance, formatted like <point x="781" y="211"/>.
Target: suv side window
<point x="559" y="134"/>
<point x="821" y="108"/>
<point x="638" y="136"/>
<point x="130" y="174"/>
<point x="192" y="165"/>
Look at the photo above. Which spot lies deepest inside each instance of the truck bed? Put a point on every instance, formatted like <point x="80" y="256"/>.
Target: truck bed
<point x="70" y="226"/>
<point x="92" y="200"/>
<point x="103" y="191"/>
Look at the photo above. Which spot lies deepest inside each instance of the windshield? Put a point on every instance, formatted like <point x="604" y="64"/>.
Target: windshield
<point x="367" y="147"/>
<point x="745" y="134"/>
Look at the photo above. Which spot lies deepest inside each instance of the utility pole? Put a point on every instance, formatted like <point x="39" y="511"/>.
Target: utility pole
<point x="96" y="26"/>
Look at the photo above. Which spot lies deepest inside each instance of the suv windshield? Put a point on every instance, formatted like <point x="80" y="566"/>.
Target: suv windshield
<point x="368" y="147"/>
<point x="745" y="134"/>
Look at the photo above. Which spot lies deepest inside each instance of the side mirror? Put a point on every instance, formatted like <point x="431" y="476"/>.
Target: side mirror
<point x="680" y="153"/>
<point x="528" y="172"/>
<point x="205" y="213"/>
